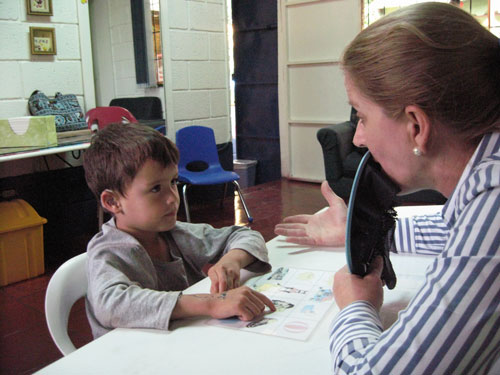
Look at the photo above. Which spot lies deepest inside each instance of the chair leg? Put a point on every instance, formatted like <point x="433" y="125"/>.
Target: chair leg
<point x="224" y="196"/>
<point x="250" y="219"/>
<point x="186" y="206"/>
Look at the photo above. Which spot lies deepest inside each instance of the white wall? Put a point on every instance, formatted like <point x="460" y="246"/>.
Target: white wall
<point x="69" y="71"/>
<point x="196" y="65"/>
<point x="196" y="69"/>
<point x="113" y="53"/>
<point x="195" y="56"/>
<point x="21" y="73"/>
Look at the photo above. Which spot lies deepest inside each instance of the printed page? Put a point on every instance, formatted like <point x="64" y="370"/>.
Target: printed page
<point x="302" y="297"/>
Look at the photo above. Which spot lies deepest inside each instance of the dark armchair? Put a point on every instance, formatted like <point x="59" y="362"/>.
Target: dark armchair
<point x="341" y="158"/>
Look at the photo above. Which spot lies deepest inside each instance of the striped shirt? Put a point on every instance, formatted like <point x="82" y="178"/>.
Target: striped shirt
<point x="452" y="325"/>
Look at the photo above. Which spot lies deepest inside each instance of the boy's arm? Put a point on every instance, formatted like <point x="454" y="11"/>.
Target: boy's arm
<point x="243" y="302"/>
<point x="254" y="245"/>
<point x="118" y="302"/>
<point x="122" y="291"/>
<point x="201" y="244"/>
<point x="225" y="274"/>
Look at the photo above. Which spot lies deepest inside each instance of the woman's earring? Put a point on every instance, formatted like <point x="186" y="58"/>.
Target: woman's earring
<point x="417" y="151"/>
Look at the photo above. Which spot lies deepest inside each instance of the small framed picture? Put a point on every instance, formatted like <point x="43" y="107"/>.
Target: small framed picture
<point x="39" y="7"/>
<point x="43" y="40"/>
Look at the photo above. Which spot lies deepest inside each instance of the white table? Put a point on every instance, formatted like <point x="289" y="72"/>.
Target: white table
<point x="192" y="347"/>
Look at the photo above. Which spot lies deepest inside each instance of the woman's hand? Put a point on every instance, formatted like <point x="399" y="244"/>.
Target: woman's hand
<point x="325" y="228"/>
<point x="348" y="288"/>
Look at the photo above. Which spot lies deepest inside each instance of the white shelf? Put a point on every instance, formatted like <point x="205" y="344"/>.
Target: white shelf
<point x="43" y="151"/>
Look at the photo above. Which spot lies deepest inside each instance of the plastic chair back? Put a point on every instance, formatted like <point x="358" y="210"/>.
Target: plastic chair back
<point x="196" y="144"/>
<point x="99" y="117"/>
<point x="199" y="163"/>
<point x="67" y="285"/>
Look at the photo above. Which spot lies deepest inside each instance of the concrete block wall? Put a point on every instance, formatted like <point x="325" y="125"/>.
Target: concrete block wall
<point x="122" y="52"/>
<point x="196" y="70"/>
<point x="199" y="65"/>
<point x="21" y="73"/>
<point x="197" y="59"/>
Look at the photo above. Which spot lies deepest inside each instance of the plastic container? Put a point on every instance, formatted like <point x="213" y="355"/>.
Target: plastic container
<point x="246" y="170"/>
<point x="21" y="242"/>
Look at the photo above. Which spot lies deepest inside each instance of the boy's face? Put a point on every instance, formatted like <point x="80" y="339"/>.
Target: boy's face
<point x="151" y="200"/>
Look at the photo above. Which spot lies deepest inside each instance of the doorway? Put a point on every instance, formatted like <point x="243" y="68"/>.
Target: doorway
<point x="255" y="79"/>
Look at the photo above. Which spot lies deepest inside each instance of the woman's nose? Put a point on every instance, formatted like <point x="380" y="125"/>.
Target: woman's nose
<point x="359" y="136"/>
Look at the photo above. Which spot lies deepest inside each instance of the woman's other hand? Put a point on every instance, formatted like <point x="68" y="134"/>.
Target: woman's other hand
<point x="325" y="228"/>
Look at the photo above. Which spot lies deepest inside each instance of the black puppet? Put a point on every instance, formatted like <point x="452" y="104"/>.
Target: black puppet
<point x="371" y="220"/>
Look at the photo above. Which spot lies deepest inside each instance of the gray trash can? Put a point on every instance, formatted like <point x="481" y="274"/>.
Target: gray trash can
<point x="246" y="170"/>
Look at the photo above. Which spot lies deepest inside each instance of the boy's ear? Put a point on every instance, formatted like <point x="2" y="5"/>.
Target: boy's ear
<point x="419" y="127"/>
<point x="110" y="201"/>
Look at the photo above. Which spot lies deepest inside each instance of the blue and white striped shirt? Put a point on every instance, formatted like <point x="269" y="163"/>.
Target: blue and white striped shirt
<point x="452" y="325"/>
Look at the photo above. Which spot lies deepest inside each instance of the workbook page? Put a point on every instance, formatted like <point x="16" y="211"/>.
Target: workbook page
<point x="302" y="297"/>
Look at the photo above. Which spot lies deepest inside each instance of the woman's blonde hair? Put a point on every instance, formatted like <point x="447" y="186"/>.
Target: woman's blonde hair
<point x="435" y="56"/>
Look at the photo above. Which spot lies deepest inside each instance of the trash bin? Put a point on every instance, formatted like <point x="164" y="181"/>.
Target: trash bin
<point x="21" y="242"/>
<point x="246" y="170"/>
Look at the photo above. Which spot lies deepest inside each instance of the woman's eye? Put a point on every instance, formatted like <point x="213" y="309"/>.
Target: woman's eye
<point x="156" y="188"/>
<point x="175" y="181"/>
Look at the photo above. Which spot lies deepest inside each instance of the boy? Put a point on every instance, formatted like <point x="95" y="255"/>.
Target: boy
<point x="143" y="258"/>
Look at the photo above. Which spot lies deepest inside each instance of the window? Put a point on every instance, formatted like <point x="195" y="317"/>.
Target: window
<point x="147" y="42"/>
<point x="157" y="51"/>
<point x="485" y="11"/>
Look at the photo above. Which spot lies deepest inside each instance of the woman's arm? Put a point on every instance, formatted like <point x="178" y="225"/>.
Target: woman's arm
<point x="451" y="325"/>
<point x="426" y="234"/>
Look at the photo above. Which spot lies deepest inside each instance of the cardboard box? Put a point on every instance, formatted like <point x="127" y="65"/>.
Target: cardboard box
<point x="21" y="242"/>
<point x="24" y="133"/>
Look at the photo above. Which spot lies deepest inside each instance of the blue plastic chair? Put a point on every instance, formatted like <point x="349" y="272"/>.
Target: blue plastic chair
<point x="199" y="163"/>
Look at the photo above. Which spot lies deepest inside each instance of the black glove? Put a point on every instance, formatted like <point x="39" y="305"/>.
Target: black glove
<point x="371" y="220"/>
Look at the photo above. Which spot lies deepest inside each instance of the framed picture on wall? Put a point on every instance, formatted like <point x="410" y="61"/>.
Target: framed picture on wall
<point x="39" y="7"/>
<point x="43" y="40"/>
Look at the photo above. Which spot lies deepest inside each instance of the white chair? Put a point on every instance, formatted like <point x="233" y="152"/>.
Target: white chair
<point x="67" y="285"/>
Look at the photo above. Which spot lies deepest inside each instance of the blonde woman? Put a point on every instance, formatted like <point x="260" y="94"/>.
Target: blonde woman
<point x="425" y="81"/>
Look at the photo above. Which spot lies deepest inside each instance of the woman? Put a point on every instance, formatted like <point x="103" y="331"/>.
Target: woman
<point x="425" y="81"/>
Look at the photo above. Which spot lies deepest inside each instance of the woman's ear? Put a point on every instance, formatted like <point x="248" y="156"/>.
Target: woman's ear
<point x="419" y="127"/>
<point x="110" y="201"/>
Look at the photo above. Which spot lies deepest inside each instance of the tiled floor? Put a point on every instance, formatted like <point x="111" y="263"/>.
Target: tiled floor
<point x="25" y="343"/>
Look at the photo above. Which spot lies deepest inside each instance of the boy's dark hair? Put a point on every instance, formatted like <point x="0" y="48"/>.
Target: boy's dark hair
<point x="118" y="151"/>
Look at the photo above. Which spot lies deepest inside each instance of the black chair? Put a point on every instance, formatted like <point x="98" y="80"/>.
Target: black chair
<point x="143" y="107"/>
<point x="341" y="158"/>
<point x="146" y="109"/>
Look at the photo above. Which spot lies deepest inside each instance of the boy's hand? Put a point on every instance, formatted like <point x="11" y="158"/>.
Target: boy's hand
<point x="243" y="302"/>
<point x="225" y="274"/>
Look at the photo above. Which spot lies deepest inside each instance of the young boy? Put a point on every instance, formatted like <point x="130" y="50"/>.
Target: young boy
<point x="143" y="258"/>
